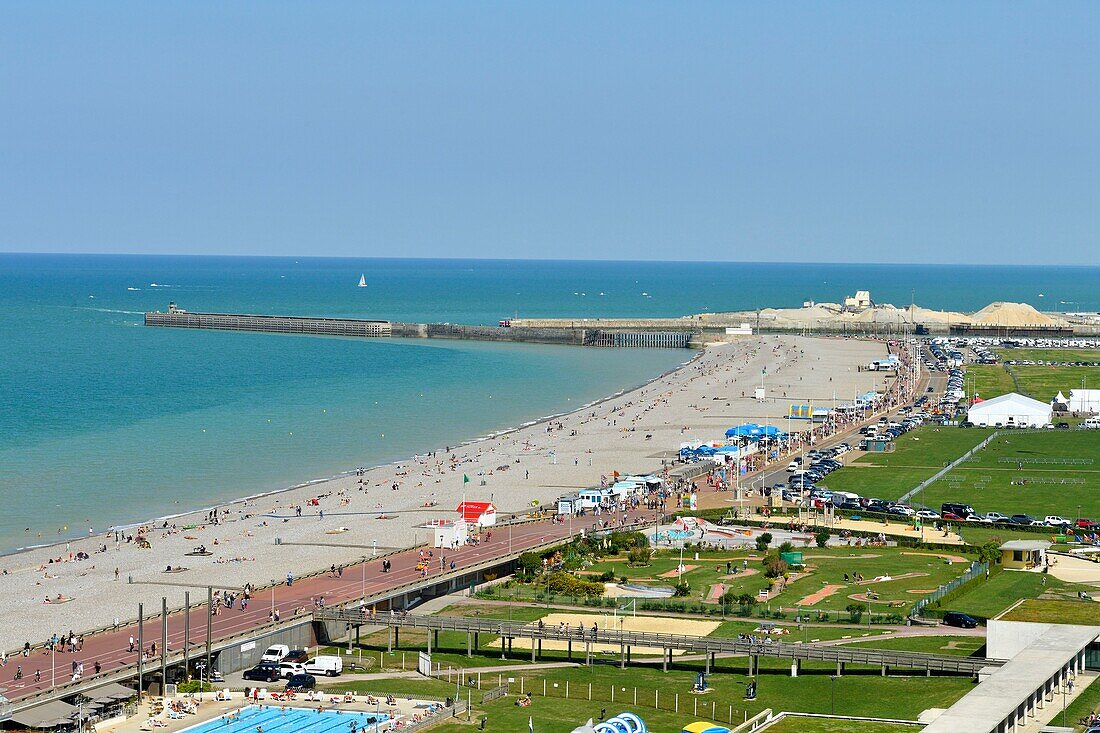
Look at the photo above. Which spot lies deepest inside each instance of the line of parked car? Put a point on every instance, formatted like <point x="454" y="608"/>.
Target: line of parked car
<point x="281" y="662"/>
<point x="960" y="512"/>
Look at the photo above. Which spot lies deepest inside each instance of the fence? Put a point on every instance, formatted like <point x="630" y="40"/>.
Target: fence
<point x="950" y="467"/>
<point x="975" y="570"/>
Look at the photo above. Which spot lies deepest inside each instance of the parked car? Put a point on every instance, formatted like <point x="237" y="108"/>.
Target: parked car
<point x="289" y="669"/>
<point x="297" y="655"/>
<point x="1084" y="522"/>
<point x="961" y="620"/>
<point x="927" y="514"/>
<point x="1053" y="520"/>
<point x="329" y="666"/>
<point x="301" y="682"/>
<point x="275" y="653"/>
<point x="961" y="510"/>
<point x="263" y="672"/>
<point x="997" y="517"/>
<point x="1023" y="519"/>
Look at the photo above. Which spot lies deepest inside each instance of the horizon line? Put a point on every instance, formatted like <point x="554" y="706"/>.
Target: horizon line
<point x="546" y="259"/>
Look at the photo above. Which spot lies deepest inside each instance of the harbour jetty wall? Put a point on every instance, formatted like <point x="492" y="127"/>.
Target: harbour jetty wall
<point x="562" y="334"/>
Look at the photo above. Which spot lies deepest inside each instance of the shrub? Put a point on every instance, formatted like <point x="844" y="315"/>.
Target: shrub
<point x="822" y="537"/>
<point x="607" y="576"/>
<point x="626" y="540"/>
<point x="855" y="611"/>
<point x="774" y="566"/>
<point x="561" y="583"/>
<point x="194" y="686"/>
<point x="681" y="590"/>
<point x="786" y="547"/>
<point x="763" y="541"/>
<point x="640" y="556"/>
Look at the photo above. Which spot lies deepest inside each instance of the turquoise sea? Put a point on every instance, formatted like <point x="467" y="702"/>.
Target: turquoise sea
<point x="104" y="421"/>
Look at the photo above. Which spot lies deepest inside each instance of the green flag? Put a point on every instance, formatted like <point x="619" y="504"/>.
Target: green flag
<point x="465" y="479"/>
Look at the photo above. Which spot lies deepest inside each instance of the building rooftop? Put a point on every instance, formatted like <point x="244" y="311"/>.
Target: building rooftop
<point x="1001" y="694"/>
<point x="1028" y="545"/>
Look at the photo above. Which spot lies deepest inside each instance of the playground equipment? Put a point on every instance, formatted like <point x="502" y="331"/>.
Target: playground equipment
<point x="621" y="723"/>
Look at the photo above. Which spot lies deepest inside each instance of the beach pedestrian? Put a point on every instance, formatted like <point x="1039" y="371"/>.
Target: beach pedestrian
<point x="116" y="574"/>
<point x="131" y="643"/>
<point x="289" y="579"/>
<point x="37" y="675"/>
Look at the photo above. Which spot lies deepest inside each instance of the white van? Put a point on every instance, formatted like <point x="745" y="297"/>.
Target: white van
<point x="328" y="666"/>
<point x="1093" y="423"/>
<point x="275" y="653"/>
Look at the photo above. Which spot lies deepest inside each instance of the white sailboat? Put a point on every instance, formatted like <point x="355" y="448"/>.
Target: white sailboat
<point x="363" y="280"/>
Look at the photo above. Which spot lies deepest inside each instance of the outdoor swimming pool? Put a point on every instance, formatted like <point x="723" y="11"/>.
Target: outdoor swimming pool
<point x="292" y="720"/>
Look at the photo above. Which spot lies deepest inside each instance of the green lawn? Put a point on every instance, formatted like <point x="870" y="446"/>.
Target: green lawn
<point x="989" y="598"/>
<point x="1056" y="355"/>
<point x="1086" y="703"/>
<point x="989" y="380"/>
<point x="664" y="699"/>
<point x="917" y="455"/>
<point x="794" y="724"/>
<point x="1044" y="382"/>
<point x="964" y="646"/>
<point x="1029" y="473"/>
<point x="1057" y="611"/>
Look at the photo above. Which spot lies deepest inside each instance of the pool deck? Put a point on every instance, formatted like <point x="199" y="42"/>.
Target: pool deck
<point x="209" y="709"/>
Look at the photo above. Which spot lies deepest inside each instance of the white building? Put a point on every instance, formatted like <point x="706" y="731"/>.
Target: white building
<point x="1011" y="409"/>
<point x="1084" y="400"/>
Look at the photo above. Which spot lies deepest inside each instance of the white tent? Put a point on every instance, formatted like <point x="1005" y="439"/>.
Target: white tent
<point x="1084" y="400"/>
<point x="1011" y="409"/>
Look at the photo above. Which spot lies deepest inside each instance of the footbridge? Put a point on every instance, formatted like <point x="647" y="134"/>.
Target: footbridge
<point x="588" y="641"/>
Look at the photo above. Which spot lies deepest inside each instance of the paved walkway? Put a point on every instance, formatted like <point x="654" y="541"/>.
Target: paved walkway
<point x="111" y="648"/>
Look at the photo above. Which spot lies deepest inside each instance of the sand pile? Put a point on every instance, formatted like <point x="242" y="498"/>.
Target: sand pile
<point x="1013" y="314"/>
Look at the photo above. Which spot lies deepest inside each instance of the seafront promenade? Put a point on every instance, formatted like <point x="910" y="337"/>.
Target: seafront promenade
<point x="110" y="648"/>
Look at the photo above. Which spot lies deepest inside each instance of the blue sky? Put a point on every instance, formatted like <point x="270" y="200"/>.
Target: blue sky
<point x="890" y="132"/>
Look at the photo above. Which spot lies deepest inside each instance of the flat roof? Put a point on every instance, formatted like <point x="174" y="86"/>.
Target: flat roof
<point x="984" y="708"/>
<point x="1026" y="545"/>
<point x="1082" y="612"/>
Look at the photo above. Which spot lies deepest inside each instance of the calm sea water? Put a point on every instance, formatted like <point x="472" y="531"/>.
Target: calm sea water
<point x="105" y="421"/>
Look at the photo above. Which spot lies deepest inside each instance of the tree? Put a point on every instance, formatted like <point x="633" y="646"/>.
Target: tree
<point x="786" y="547"/>
<point x="763" y="541"/>
<point x="855" y="611"/>
<point x="822" y="537"/>
<point x="681" y="590"/>
<point x="529" y="564"/>
<point x="774" y="566"/>
<point x="990" y="552"/>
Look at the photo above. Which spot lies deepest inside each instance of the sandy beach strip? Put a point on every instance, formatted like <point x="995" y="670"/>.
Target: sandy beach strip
<point x="631" y="433"/>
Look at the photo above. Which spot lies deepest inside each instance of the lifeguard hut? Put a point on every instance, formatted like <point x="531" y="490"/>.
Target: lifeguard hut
<point x="478" y="513"/>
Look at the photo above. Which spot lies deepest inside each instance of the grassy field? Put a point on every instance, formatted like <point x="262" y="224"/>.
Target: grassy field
<point x="1086" y="703"/>
<point x="917" y="455"/>
<point x="1056" y="611"/>
<point x="990" y="598"/>
<point x="1029" y="473"/>
<point x="1044" y="382"/>
<point x="989" y="380"/>
<point x="795" y="724"/>
<point x="1058" y="355"/>
<point x="963" y="646"/>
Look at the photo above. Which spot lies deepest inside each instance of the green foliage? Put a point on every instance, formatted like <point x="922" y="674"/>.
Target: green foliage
<point x="561" y="583"/>
<point x="681" y="590"/>
<point x="822" y="537"/>
<point x="529" y="564"/>
<point x="786" y="547"/>
<point x="640" y="556"/>
<point x="763" y="541"/>
<point x="990" y="552"/>
<point x="774" y="566"/>
<point x="855" y="611"/>
<point x="607" y="576"/>
<point x="626" y="540"/>
<point x="194" y="686"/>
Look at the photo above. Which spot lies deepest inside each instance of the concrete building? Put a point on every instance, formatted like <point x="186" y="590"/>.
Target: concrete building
<point x="1024" y="555"/>
<point x="1010" y="410"/>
